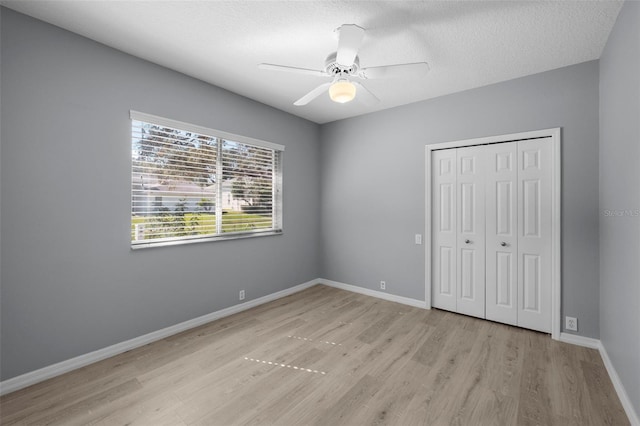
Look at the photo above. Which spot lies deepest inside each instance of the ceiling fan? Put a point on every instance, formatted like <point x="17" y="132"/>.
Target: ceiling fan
<point x="343" y="66"/>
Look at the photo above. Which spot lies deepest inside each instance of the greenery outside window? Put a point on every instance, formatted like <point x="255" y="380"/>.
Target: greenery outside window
<point x="191" y="184"/>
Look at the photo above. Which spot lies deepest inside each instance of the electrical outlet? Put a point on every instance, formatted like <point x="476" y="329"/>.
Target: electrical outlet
<point x="383" y="285"/>
<point x="418" y="239"/>
<point x="571" y="323"/>
<point x="241" y="295"/>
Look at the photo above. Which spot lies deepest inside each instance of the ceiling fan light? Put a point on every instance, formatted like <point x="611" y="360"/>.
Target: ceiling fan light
<point x="342" y="91"/>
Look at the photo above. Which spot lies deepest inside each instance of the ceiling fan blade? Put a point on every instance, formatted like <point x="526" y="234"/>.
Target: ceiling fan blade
<point x="273" y="67"/>
<point x="365" y="94"/>
<point x="395" y="71"/>
<point x="350" y="39"/>
<point x="312" y="94"/>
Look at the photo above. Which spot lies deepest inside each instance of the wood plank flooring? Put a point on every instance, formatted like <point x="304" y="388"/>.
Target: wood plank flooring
<point x="330" y="357"/>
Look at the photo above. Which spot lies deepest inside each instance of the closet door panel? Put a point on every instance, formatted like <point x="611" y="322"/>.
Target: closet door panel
<point x="471" y="231"/>
<point x="534" y="239"/>
<point x="444" y="243"/>
<point x="501" y="233"/>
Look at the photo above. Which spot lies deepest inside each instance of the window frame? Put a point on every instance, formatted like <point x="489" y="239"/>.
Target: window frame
<point x="221" y="136"/>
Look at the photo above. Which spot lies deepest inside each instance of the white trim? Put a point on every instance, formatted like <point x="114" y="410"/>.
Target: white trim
<point x="617" y="384"/>
<point x="613" y="374"/>
<point x="427" y="230"/>
<point x="574" y="339"/>
<point x="374" y="293"/>
<point x="556" y="234"/>
<point x="512" y="137"/>
<point x="50" y="371"/>
<point x="150" y="118"/>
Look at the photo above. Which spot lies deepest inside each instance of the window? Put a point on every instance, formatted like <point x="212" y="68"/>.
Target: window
<point x="190" y="183"/>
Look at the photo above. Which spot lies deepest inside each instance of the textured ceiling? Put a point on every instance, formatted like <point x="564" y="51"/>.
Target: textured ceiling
<point x="467" y="44"/>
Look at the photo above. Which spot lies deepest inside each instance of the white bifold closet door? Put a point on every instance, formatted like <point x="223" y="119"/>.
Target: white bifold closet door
<point x="445" y="237"/>
<point x="502" y="233"/>
<point x="492" y="232"/>
<point x="534" y="234"/>
<point x="471" y="231"/>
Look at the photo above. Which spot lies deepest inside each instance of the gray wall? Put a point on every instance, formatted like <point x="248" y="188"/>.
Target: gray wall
<point x="70" y="283"/>
<point x="619" y="191"/>
<point x="373" y="180"/>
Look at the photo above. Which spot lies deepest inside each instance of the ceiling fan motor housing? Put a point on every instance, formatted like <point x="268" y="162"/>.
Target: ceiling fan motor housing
<point x="333" y="68"/>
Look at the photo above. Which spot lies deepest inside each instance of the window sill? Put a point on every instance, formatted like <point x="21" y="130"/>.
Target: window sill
<point x="238" y="236"/>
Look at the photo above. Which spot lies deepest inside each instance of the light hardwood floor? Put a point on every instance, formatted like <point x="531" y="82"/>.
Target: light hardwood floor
<point x="330" y="357"/>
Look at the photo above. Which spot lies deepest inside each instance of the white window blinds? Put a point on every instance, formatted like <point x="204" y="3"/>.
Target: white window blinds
<point x="190" y="184"/>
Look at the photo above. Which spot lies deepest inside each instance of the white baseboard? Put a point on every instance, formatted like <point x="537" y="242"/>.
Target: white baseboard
<point x="59" y="368"/>
<point x="574" y="339"/>
<point x="613" y="374"/>
<point x="617" y="384"/>
<point x="374" y="293"/>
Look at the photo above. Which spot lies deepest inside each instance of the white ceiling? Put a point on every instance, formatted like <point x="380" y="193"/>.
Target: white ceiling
<point x="467" y="44"/>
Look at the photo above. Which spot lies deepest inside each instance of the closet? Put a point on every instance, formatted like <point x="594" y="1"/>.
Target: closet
<point x="491" y="254"/>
